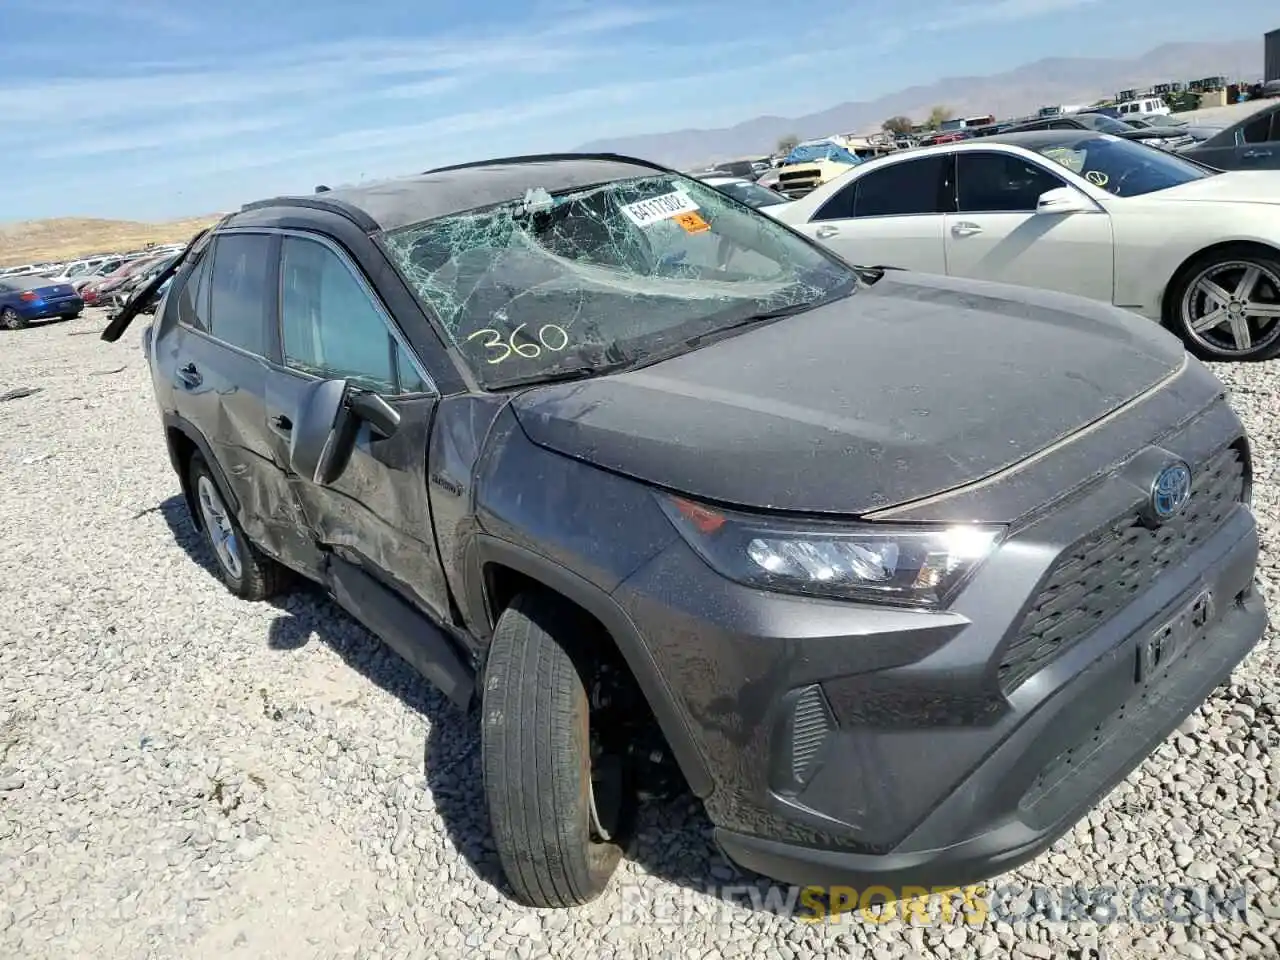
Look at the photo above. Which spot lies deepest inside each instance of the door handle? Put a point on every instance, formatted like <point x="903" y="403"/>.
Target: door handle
<point x="1255" y="154"/>
<point x="965" y="229"/>
<point x="189" y="376"/>
<point x="823" y="232"/>
<point x="282" y="423"/>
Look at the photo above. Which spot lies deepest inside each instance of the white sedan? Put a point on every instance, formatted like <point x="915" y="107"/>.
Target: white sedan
<point x="1079" y="212"/>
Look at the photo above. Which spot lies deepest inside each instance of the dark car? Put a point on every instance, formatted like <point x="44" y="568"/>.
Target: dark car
<point x="1251" y="144"/>
<point x="587" y="441"/>
<point x="1098" y="122"/>
<point x="745" y="191"/>
<point x="746" y="169"/>
<point x="27" y="298"/>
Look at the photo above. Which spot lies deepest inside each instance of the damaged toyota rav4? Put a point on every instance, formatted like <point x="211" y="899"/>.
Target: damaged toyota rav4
<point x="903" y="572"/>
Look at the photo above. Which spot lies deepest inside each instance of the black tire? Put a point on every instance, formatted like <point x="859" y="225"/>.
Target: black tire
<point x="259" y="576"/>
<point x="536" y="748"/>
<point x="1212" y="345"/>
<point x="11" y="319"/>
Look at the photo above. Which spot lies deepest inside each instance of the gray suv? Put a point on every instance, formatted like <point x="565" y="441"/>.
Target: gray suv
<point x="902" y="572"/>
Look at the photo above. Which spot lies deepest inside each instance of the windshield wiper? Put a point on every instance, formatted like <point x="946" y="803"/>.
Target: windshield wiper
<point x="559" y="376"/>
<point x="766" y="316"/>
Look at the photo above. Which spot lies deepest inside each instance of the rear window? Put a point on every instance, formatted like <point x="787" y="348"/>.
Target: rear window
<point x="238" y="290"/>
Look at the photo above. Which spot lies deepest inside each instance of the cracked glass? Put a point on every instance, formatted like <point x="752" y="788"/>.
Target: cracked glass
<point x="553" y="286"/>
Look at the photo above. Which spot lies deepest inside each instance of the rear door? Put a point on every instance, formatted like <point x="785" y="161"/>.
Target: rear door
<point x="377" y="514"/>
<point x="995" y="233"/>
<point x="215" y="358"/>
<point x="890" y="216"/>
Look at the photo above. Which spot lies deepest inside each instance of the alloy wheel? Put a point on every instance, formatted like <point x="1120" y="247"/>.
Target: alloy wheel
<point x="1232" y="308"/>
<point x="218" y="522"/>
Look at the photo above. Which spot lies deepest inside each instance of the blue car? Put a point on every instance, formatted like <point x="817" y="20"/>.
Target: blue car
<point x="23" y="299"/>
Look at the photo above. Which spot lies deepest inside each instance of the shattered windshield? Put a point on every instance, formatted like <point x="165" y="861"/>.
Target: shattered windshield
<point x="606" y="277"/>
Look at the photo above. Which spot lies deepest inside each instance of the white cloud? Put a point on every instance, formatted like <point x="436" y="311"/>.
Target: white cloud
<point x="317" y="70"/>
<point x="158" y="136"/>
<point x="1001" y="11"/>
<point x="155" y="14"/>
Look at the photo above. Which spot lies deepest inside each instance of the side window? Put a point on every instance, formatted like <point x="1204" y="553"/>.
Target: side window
<point x="238" y="295"/>
<point x="840" y="206"/>
<point x="1065" y="125"/>
<point x="1258" y="131"/>
<point x="193" y="297"/>
<point x="331" y="327"/>
<point x="910" y="187"/>
<point x="1000" y="183"/>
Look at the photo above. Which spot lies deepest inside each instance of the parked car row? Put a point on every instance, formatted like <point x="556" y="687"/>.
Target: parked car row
<point x="49" y="291"/>
<point x="1252" y="143"/>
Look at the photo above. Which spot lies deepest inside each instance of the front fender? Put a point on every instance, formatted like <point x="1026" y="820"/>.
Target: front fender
<point x="662" y="701"/>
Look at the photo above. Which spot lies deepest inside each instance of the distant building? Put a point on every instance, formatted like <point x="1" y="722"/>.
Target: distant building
<point x="1271" y="47"/>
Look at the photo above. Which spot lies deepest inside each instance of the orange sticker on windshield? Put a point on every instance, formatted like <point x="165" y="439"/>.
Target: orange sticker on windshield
<point x="691" y="222"/>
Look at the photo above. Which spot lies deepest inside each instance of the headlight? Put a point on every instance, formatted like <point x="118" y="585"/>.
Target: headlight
<point x="916" y="565"/>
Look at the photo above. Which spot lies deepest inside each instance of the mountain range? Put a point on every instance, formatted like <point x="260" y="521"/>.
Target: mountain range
<point x="1016" y="92"/>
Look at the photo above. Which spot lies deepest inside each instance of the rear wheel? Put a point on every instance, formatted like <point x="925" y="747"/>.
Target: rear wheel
<point x="246" y="571"/>
<point x="11" y="319"/>
<point x="560" y="798"/>
<point x="1226" y="305"/>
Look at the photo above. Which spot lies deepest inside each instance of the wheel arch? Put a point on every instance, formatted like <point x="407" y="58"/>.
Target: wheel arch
<point x="184" y="440"/>
<point x="1222" y="246"/>
<point x="503" y="569"/>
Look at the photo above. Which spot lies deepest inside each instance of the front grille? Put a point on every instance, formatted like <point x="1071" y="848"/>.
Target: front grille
<point x="1101" y="573"/>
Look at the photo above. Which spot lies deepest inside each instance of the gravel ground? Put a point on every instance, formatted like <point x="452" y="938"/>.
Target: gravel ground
<point x="184" y="774"/>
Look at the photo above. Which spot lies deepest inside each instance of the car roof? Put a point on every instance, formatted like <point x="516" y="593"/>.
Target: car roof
<point x="1039" y="139"/>
<point x="394" y="203"/>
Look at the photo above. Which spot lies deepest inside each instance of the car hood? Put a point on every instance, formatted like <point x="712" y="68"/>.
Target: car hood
<point x="1244" y="186"/>
<point x="912" y="387"/>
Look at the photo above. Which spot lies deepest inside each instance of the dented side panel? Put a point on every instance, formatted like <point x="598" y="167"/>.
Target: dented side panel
<point x="228" y="404"/>
<point x="377" y="514"/>
<point x="463" y="427"/>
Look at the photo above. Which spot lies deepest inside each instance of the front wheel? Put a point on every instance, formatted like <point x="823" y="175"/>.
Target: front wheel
<point x="247" y="572"/>
<point x="1226" y="305"/>
<point x="11" y="319"/>
<point x="560" y="800"/>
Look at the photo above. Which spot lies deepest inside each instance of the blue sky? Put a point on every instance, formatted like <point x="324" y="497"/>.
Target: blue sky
<point x="147" y="109"/>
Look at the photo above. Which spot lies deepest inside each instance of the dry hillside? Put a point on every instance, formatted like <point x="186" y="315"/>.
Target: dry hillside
<point x="64" y="238"/>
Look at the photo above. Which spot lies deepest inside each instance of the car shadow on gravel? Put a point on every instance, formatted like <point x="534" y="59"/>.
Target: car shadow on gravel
<point x="673" y="839"/>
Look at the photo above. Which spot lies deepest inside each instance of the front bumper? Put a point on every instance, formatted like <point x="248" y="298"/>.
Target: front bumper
<point x="1046" y="775"/>
<point x="845" y="741"/>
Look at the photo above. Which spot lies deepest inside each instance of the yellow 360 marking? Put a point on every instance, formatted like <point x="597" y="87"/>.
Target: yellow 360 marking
<point x="547" y="333"/>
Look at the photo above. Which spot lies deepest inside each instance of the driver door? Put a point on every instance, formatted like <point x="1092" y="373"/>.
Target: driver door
<point x="376" y="514"/>
<point x="995" y="233"/>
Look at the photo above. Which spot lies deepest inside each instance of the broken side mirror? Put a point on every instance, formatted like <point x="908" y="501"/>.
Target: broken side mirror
<point x="322" y="440"/>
